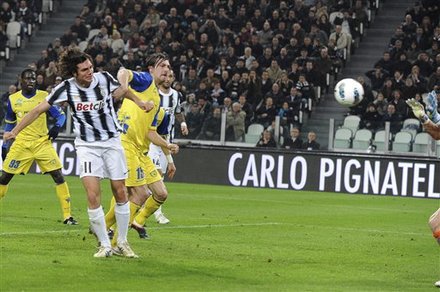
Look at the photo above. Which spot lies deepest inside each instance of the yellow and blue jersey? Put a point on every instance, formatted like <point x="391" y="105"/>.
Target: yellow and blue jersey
<point x="135" y="122"/>
<point x="20" y="104"/>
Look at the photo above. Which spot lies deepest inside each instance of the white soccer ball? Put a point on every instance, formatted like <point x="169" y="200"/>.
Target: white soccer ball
<point x="349" y="92"/>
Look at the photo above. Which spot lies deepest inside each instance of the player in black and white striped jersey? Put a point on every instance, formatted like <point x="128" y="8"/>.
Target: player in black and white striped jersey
<point x="170" y="100"/>
<point x="90" y="97"/>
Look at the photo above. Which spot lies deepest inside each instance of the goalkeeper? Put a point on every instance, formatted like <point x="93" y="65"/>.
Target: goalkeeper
<point x="432" y="127"/>
<point x="34" y="143"/>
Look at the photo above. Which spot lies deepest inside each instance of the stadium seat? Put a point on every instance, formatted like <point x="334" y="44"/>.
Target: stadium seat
<point x="421" y="142"/>
<point x="411" y="126"/>
<point x="13" y="30"/>
<point x="362" y="139"/>
<point x="343" y="138"/>
<point x="352" y="122"/>
<point x="402" y="142"/>
<point x="253" y="133"/>
<point x="381" y="142"/>
<point x="255" y="129"/>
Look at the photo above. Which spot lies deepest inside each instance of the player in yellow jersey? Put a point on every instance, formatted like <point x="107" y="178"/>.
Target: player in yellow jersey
<point x="34" y="143"/>
<point x="163" y="121"/>
<point x="139" y="129"/>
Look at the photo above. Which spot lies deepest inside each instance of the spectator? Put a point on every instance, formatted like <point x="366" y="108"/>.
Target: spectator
<point x="79" y="30"/>
<point x="50" y="73"/>
<point x="6" y="13"/>
<point x="266" y="34"/>
<point x="247" y="108"/>
<point x="399" y="103"/>
<point x="381" y="104"/>
<point x="294" y="141"/>
<point x="267" y="140"/>
<point x="311" y="143"/>
<point x="276" y="94"/>
<point x="386" y="63"/>
<point x="409" y="90"/>
<point x="117" y="43"/>
<point x="340" y="38"/>
<point x="235" y="123"/>
<point x="274" y="71"/>
<point x="371" y="118"/>
<point x="377" y="77"/>
<point x="191" y="82"/>
<point x="44" y="60"/>
<point x="395" y="119"/>
<point x="217" y="94"/>
<point x="266" y="113"/>
<point x="211" y="126"/>
<point x="434" y="79"/>
<point x="194" y="120"/>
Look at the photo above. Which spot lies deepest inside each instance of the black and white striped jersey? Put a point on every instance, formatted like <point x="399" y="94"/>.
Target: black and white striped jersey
<point x="91" y="108"/>
<point x="171" y="103"/>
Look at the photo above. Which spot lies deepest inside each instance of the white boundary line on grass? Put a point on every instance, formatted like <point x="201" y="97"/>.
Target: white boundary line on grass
<point x="3" y="234"/>
<point x="149" y="228"/>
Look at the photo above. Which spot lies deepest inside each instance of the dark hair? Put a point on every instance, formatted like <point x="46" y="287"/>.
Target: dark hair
<point x="69" y="60"/>
<point x="28" y="70"/>
<point x="154" y="59"/>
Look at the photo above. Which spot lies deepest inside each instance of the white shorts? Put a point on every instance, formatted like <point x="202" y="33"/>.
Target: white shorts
<point x="159" y="158"/>
<point x="103" y="162"/>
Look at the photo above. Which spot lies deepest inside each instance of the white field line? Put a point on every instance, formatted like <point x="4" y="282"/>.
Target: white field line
<point x="149" y="228"/>
<point x="4" y="234"/>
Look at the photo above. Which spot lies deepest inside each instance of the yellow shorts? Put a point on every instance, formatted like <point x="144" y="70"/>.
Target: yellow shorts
<point x="22" y="154"/>
<point x="141" y="169"/>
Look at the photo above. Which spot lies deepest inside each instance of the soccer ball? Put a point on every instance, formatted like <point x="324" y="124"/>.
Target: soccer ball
<point x="349" y="92"/>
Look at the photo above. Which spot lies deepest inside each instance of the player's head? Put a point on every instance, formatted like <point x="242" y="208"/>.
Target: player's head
<point x="158" y="65"/>
<point x="169" y="80"/>
<point x="28" y="79"/>
<point x="74" y="63"/>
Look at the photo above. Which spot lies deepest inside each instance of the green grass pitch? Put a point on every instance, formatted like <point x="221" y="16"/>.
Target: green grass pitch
<point x="223" y="239"/>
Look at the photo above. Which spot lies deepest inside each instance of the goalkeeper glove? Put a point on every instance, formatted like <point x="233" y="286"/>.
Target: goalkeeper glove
<point x="431" y="107"/>
<point x="53" y="132"/>
<point x="417" y="109"/>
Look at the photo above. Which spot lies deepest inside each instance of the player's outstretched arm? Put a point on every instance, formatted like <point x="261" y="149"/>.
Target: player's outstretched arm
<point x="123" y="91"/>
<point x="418" y="110"/>
<point x="27" y="120"/>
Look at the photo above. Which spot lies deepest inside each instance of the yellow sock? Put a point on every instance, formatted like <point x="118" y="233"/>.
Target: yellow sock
<point x="110" y="218"/>
<point x="151" y="205"/>
<point x="63" y="195"/>
<point x="134" y="209"/>
<point x="3" y="190"/>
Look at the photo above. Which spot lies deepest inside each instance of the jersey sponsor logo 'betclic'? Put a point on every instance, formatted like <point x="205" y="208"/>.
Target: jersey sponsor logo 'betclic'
<point x="89" y="106"/>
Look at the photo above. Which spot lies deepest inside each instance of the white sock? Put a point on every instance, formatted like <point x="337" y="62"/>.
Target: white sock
<point x="122" y="214"/>
<point x="158" y="212"/>
<point x="97" y="222"/>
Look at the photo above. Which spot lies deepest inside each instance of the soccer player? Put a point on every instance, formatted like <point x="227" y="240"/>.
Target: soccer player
<point x="90" y="97"/>
<point x="139" y="130"/>
<point x="34" y="143"/>
<point x="162" y="129"/>
<point x="170" y="100"/>
<point x="434" y="130"/>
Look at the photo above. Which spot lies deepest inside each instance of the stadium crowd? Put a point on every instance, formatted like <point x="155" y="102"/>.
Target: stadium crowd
<point x="253" y="60"/>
